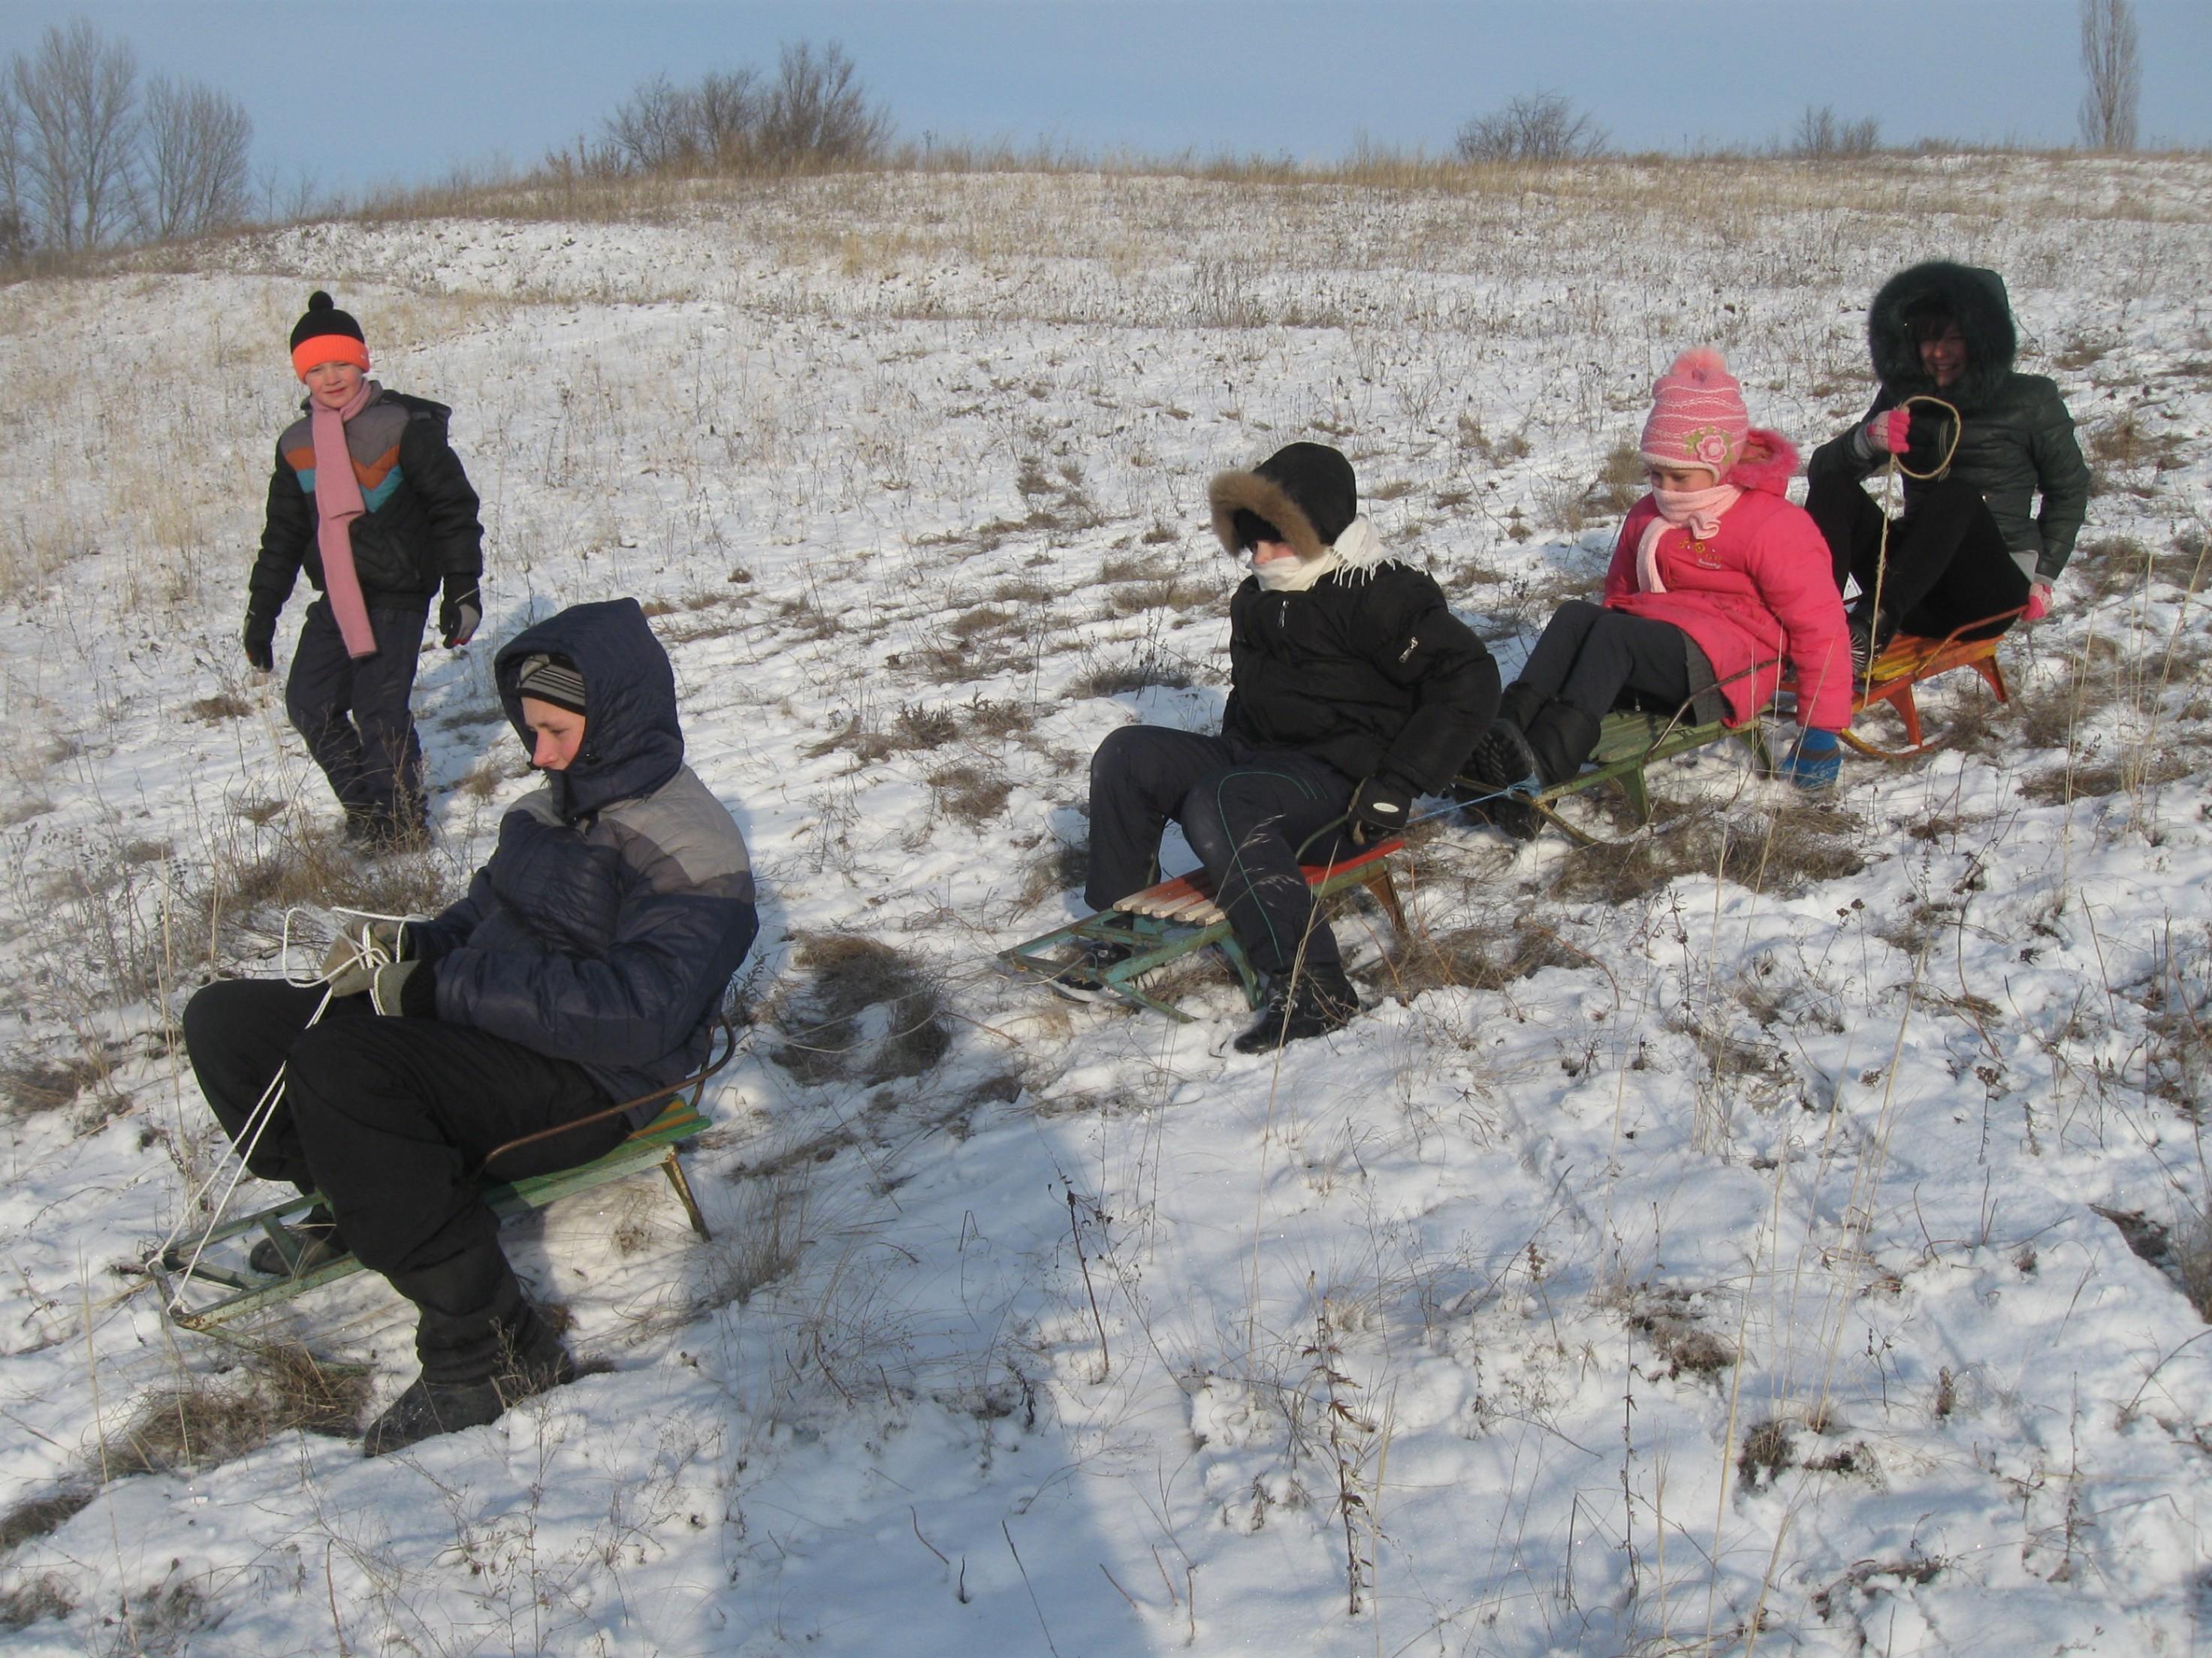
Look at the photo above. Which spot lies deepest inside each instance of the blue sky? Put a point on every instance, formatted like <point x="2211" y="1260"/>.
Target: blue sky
<point x="347" y="94"/>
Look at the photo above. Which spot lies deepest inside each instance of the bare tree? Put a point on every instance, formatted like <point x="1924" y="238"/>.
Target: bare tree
<point x="1820" y="136"/>
<point x="727" y="110"/>
<point x="654" y="130"/>
<point x="194" y="160"/>
<point x="817" y="111"/>
<point x="2114" y="68"/>
<point x="77" y="94"/>
<point x="1537" y="126"/>
<point x="14" y="227"/>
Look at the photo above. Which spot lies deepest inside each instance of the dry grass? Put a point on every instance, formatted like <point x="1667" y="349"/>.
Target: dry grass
<point x="971" y="793"/>
<point x="1479" y="957"/>
<point x="197" y="1424"/>
<point x="861" y="1012"/>
<point x="1782" y="848"/>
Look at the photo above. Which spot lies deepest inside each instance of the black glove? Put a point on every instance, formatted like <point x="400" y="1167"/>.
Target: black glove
<point x="1380" y="807"/>
<point x="260" y="640"/>
<point x="459" y="612"/>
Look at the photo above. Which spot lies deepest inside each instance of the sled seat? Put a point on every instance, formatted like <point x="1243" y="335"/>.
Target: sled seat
<point x="222" y="1264"/>
<point x="1909" y="659"/>
<point x="1164" y="923"/>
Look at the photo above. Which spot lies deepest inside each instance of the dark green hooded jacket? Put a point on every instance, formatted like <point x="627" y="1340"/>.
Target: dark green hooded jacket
<point x="2017" y="440"/>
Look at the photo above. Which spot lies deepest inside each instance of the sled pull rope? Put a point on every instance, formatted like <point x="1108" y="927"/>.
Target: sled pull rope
<point x="366" y="948"/>
<point x="1889" y="475"/>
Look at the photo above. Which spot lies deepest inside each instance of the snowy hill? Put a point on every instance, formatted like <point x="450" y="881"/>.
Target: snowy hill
<point x="1770" y="1234"/>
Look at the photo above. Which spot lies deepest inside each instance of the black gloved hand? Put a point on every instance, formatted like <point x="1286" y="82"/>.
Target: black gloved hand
<point x="260" y="641"/>
<point x="1380" y="806"/>
<point x="459" y="612"/>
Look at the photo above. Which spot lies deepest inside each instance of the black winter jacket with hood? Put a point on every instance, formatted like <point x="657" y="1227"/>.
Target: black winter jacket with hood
<point x="1366" y="669"/>
<point x="2017" y="438"/>
<point x="421" y="522"/>
<point x="619" y="900"/>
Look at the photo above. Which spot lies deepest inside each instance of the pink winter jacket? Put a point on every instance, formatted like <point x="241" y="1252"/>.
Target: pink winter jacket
<point x="1762" y="589"/>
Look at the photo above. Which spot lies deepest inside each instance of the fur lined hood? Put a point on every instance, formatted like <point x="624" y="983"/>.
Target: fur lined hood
<point x="1977" y="298"/>
<point x="1291" y="490"/>
<point x="1767" y="463"/>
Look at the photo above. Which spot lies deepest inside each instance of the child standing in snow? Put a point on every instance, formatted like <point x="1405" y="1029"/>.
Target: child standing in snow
<point x="1715" y="580"/>
<point x="369" y="497"/>
<point x="1352" y="690"/>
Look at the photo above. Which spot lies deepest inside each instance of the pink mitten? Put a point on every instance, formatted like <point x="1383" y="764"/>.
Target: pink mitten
<point x="2038" y="601"/>
<point x="1890" y="431"/>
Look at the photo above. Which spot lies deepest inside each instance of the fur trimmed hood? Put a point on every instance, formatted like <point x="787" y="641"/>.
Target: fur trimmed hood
<point x="1307" y="491"/>
<point x="1767" y="463"/>
<point x="1976" y="297"/>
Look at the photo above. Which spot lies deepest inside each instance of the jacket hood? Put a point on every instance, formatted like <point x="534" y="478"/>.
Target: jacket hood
<point x="1768" y="462"/>
<point x="1973" y="295"/>
<point x="633" y="741"/>
<point x="1306" y="490"/>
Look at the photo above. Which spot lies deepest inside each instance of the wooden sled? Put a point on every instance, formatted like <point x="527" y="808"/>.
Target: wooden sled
<point x="1909" y="659"/>
<point x="239" y="1291"/>
<point x="1629" y="742"/>
<point x="1164" y="923"/>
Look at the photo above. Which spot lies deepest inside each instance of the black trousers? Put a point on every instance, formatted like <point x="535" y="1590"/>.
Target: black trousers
<point x="1590" y="657"/>
<point x="1245" y="811"/>
<point x="388" y="1119"/>
<point x="1947" y="564"/>
<point x="355" y="713"/>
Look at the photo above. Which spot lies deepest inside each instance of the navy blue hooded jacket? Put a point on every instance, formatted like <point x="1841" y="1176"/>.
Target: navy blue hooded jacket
<point x="607" y="923"/>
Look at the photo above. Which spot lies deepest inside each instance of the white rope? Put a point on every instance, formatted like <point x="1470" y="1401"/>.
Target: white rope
<point x="368" y="949"/>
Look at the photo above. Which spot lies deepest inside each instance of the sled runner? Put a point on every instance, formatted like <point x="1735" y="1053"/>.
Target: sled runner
<point x="1629" y="741"/>
<point x="1167" y="922"/>
<point x="240" y="1290"/>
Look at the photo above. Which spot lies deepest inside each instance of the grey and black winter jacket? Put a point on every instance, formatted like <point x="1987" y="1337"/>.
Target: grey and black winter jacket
<point x="619" y="900"/>
<point x="421" y="526"/>
<point x="2016" y="439"/>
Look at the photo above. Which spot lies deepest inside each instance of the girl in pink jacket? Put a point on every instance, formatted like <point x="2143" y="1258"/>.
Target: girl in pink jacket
<point x="1717" y="583"/>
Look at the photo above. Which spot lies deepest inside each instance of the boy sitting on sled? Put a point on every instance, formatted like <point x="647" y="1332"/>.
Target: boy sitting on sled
<point x="1352" y="690"/>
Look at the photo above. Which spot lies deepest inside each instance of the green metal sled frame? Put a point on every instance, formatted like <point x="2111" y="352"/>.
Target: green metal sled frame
<point x="245" y="1291"/>
<point x="1629" y="741"/>
<point x="1187" y="921"/>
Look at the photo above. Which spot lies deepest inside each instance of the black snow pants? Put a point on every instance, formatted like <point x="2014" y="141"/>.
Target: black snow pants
<point x="354" y="712"/>
<point x="1244" y="810"/>
<point x="1946" y="563"/>
<point x="388" y="1119"/>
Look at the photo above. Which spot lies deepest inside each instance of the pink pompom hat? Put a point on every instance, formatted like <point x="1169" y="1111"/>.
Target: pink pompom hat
<point x="1697" y="418"/>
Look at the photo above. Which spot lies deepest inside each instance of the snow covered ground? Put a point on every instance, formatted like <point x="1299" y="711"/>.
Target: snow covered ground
<point x="1771" y="1235"/>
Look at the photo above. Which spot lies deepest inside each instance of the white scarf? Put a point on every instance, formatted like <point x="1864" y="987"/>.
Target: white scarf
<point x="1356" y="552"/>
<point x="1698" y="511"/>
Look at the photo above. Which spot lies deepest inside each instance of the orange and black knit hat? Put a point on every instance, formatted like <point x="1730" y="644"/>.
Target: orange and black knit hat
<point x="326" y="334"/>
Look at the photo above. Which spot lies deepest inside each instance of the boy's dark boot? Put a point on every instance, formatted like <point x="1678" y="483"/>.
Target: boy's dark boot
<point x="483" y="1346"/>
<point x="1502" y="758"/>
<point x="1312" y="1002"/>
<point x="1561" y="737"/>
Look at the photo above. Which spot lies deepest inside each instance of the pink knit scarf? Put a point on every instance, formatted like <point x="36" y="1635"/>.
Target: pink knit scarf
<point x="1698" y="511"/>
<point x="338" y="503"/>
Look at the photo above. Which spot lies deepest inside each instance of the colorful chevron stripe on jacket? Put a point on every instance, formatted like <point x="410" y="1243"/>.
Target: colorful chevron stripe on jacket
<point x="372" y="441"/>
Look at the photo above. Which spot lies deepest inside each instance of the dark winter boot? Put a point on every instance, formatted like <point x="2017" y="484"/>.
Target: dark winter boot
<point x="1561" y="738"/>
<point x="1871" y="632"/>
<point x="483" y="1348"/>
<point x="314" y="1242"/>
<point x="1312" y="1002"/>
